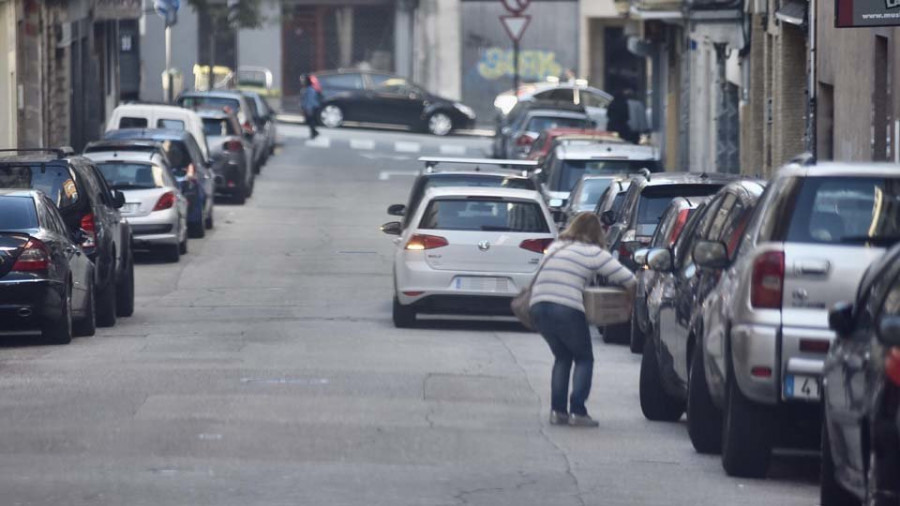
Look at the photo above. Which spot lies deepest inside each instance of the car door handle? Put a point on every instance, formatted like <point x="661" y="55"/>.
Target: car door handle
<point x="812" y="267"/>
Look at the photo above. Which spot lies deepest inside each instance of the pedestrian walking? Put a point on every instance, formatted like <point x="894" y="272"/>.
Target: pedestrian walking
<point x="310" y="102"/>
<point x="557" y="312"/>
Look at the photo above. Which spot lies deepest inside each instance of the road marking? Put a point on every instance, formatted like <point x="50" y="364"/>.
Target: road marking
<point x="453" y="150"/>
<point x="387" y="174"/>
<point x="321" y="142"/>
<point x="381" y="156"/>
<point x="362" y="144"/>
<point x="407" y="147"/>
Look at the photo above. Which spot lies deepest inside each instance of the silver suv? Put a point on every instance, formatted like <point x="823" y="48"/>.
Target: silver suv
<point x="766" y="332"/>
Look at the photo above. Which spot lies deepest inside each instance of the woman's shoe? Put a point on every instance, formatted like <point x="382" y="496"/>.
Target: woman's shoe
<point x="559" y="418"/>
<point x="582" y="421"/>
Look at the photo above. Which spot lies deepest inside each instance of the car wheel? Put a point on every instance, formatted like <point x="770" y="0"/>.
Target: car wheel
<point x="636" y="337"/>
<point x="240" y="196"/>
<point x="404" y="316"/>
<point x="250" y="187"/>
<point x="196" y="230"/>
<point x="125" y="291"/>
<point x="831" y="493"/>
<point x="703" y="417"/>
<point x="87" y="326"/>
<point x="209" y="222"/>
<point x="106" y="305"/>
<point x="331" y="116"/>
<point x="440" y="124"/>
<point x="616" y="334"/>
<point x="171" y="253"/>
<point x="59" y="331"/>
<point x="746" y="437"/>
<point x="183" y="246"/>
<point x="656" y="404"/>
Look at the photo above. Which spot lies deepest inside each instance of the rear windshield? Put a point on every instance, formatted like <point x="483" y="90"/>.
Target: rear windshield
<point x="617" y="202"/>
<point x="178" y="156"/>
<point x="170" y="124"/>
<point x="215" y="102"/>
<point x="478" y="180"/>
<point x="484" y="215"/>
<point x="840" y="210"/>
<point x="654" y="201"/>
<point x="17" y="213"/>
<point x="132" y="176"/>
<point x="591" y="191"/>
<point x="574" y="170"/>
<point x="57" y="181"/>
<point x="217" y="127"/>
<point x="541" y="123"/>
<point x="127" y="122"/>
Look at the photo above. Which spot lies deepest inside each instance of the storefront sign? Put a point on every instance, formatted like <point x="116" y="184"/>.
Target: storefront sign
<point x="862" y="13"/>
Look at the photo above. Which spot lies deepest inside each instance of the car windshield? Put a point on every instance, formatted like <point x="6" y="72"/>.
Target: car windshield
<point x="487" y="214"/>
<point x="573" y="170"/>
<point x="480" y="180"/>
<point x="193" y="102"/>
<point x="58" y="182"/>
<point x="541" y="123"/>
<point x="654" y="201"/>
<point x="17" y="213"/>
<point x="591" y="191"/>
<point x="132" y="176"/>
<point x="837" y="210"/>
<point x="217" y="127"/>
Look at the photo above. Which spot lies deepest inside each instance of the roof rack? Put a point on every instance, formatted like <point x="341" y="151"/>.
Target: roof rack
<point x="432" y="161"/>
<point x="60" y="152"/>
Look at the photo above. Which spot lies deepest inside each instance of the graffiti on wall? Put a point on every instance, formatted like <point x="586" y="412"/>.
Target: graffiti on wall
<point x="534" y="65"/>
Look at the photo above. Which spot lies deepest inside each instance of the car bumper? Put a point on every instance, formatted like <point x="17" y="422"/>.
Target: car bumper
<point x="26" y="304"/>
<point x="429" y="289"/>
<point x="157" y="228"/>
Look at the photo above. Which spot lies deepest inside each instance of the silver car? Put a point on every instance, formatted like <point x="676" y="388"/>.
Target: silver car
<point x="154" y="205"/>
<point x="765" y="325"/>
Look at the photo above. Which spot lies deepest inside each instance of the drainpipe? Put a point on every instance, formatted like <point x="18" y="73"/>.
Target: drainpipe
<point x="813" y="82"/>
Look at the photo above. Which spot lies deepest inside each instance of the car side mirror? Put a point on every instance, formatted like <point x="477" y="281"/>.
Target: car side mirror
<point x="660" y="260"/>
<point x="608" y="218"/>
<point x="840" y="318"/>
<point x="640" y="256"/>
<point x="78" y="236"/>
<point x="556" y="203"/>
<point x="118" y="199"/>
<point x="711" y="254"/>
<point x="396" y="210"/>
<point x="392" y="228"/>
<point x="889" y="330"/>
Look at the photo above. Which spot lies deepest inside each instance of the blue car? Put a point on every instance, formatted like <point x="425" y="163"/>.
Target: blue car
<point x="192" y="171"/>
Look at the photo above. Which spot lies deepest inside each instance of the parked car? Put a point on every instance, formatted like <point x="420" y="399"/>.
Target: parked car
<point x="515" y="139"/>
<point x="232" y="154"/>
<point x="490" y="242"/>
<point x="166" y="117"/>
<point x="46" y="280"/>
<point x="586" y="195"/>
<point x="467" y="172"/>
<point x="548" y="140"/>
<point x="765" y="325"/>
<point x="861" y="383"/>
<point x="154" y="206"/>
<point x="90" y="211"/>
<point x="261" y="127"/>
<point x="613" y="198"/>
<point x="634" y="225"/>
<point x="237" y="102"/>
<point x="194" y="175"/>
<point x="264" y="118"/>
<point x="578" y="92"/>
<point x="376" y="97"/>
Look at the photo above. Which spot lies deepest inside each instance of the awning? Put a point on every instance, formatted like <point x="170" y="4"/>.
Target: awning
<point x="650" y="15"/>
<point x="792" y="12"/>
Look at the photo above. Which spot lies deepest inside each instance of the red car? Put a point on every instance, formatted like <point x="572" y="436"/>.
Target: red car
<point x="545" y="142"/>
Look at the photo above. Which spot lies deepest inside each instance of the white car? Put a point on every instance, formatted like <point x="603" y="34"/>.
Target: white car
<point x="595" y="101"/>
<point x="154" y="206"/>
<point x="152" y="116"/>
<point x="468" y="250"/>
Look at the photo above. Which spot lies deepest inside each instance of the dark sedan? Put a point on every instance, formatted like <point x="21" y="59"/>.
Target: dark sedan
<point x="46" y="280"/>
<point x="373" y="97"/>
<point x="861" y="434"/>
<point x="231" y="154"/>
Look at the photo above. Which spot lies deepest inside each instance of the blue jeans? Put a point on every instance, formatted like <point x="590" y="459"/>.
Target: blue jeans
<point x="566" y="332"/>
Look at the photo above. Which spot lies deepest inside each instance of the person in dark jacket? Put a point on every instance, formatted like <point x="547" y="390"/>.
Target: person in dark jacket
<point x="310" y="102"/>
<point x="619" y="117"/>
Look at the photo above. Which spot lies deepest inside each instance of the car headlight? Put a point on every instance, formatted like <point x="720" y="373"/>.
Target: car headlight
<point x="464" y="109"/>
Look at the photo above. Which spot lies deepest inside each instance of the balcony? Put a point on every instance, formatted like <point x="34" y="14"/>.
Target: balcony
<point x="117" y="9"/>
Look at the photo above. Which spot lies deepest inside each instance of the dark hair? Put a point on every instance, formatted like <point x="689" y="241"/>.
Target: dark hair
<point x="586" y="228"/>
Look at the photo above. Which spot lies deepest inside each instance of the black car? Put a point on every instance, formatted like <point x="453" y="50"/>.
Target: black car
<point x="672" y="375"/>
<point x="375" y="97"/>
<point x="189" y="167"/>
<point x="89" y="208"/>
<point x="670" y="228"/>
<point x="633" y="226"/>
<point x="46" y="280"/>
<point x="861" y="429"/>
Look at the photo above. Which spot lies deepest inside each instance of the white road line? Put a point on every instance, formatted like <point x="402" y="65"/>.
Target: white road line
<point x="321" y="142"/>
<point x="453" y="150"/>
<point x="407" y="147"/>
<point x="362" y="144"/>
<point x="387" y="174"/>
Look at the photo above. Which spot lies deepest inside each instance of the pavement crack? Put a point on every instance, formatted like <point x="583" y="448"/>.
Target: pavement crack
<point x="430" y="408"/>
<point x="579" y="494"/>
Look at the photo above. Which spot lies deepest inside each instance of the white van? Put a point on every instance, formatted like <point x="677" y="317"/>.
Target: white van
<point x="159" y="116"/>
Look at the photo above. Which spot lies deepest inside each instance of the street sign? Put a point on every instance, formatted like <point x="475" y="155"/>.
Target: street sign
<point x="515" y="26"/>
<point x="168" y="10"/>
<point x="516" y="6"/>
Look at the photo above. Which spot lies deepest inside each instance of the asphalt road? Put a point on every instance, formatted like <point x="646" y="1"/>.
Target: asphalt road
<point x="264" y="370"/>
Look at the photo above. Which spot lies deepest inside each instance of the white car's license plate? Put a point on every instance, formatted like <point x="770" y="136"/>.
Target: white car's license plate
<point x="130" y="207"/>
<point x="802" y="387"/>
<point x="481" y="284"/>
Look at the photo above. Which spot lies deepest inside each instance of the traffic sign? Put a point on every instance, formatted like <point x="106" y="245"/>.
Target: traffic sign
<point x="515" y="25"/>
<point x="168" y="10"/>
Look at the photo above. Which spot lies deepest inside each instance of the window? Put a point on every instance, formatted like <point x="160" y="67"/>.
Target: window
<point x="591" y="99"/>
<point x="58" y="182"/>
<point x="178" y="156"/>
<point x="132" y="176"/>
<point x="126" y="122"/>
<point x="171" y="124"/>
<point x="218" y="127"/>
<point x="485" y="215"/>
<point x="734" y="228"/>
<point x="591" y="191"/>
<point x="209" y="101"/>
<point x="654" y="201"/>
<point x="480" y="180"/>
<point x="574" y="170"/>
<point x="540" y="123"/>
<point x="56" y="221"/>
<point x="17" y="213"/>
<point x="342" y="81"/>
<point x="721" y="216"/>
<point x="557" y="94"/>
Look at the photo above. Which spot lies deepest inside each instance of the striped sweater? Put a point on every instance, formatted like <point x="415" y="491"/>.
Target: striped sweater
<point x="563" y="277"/>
